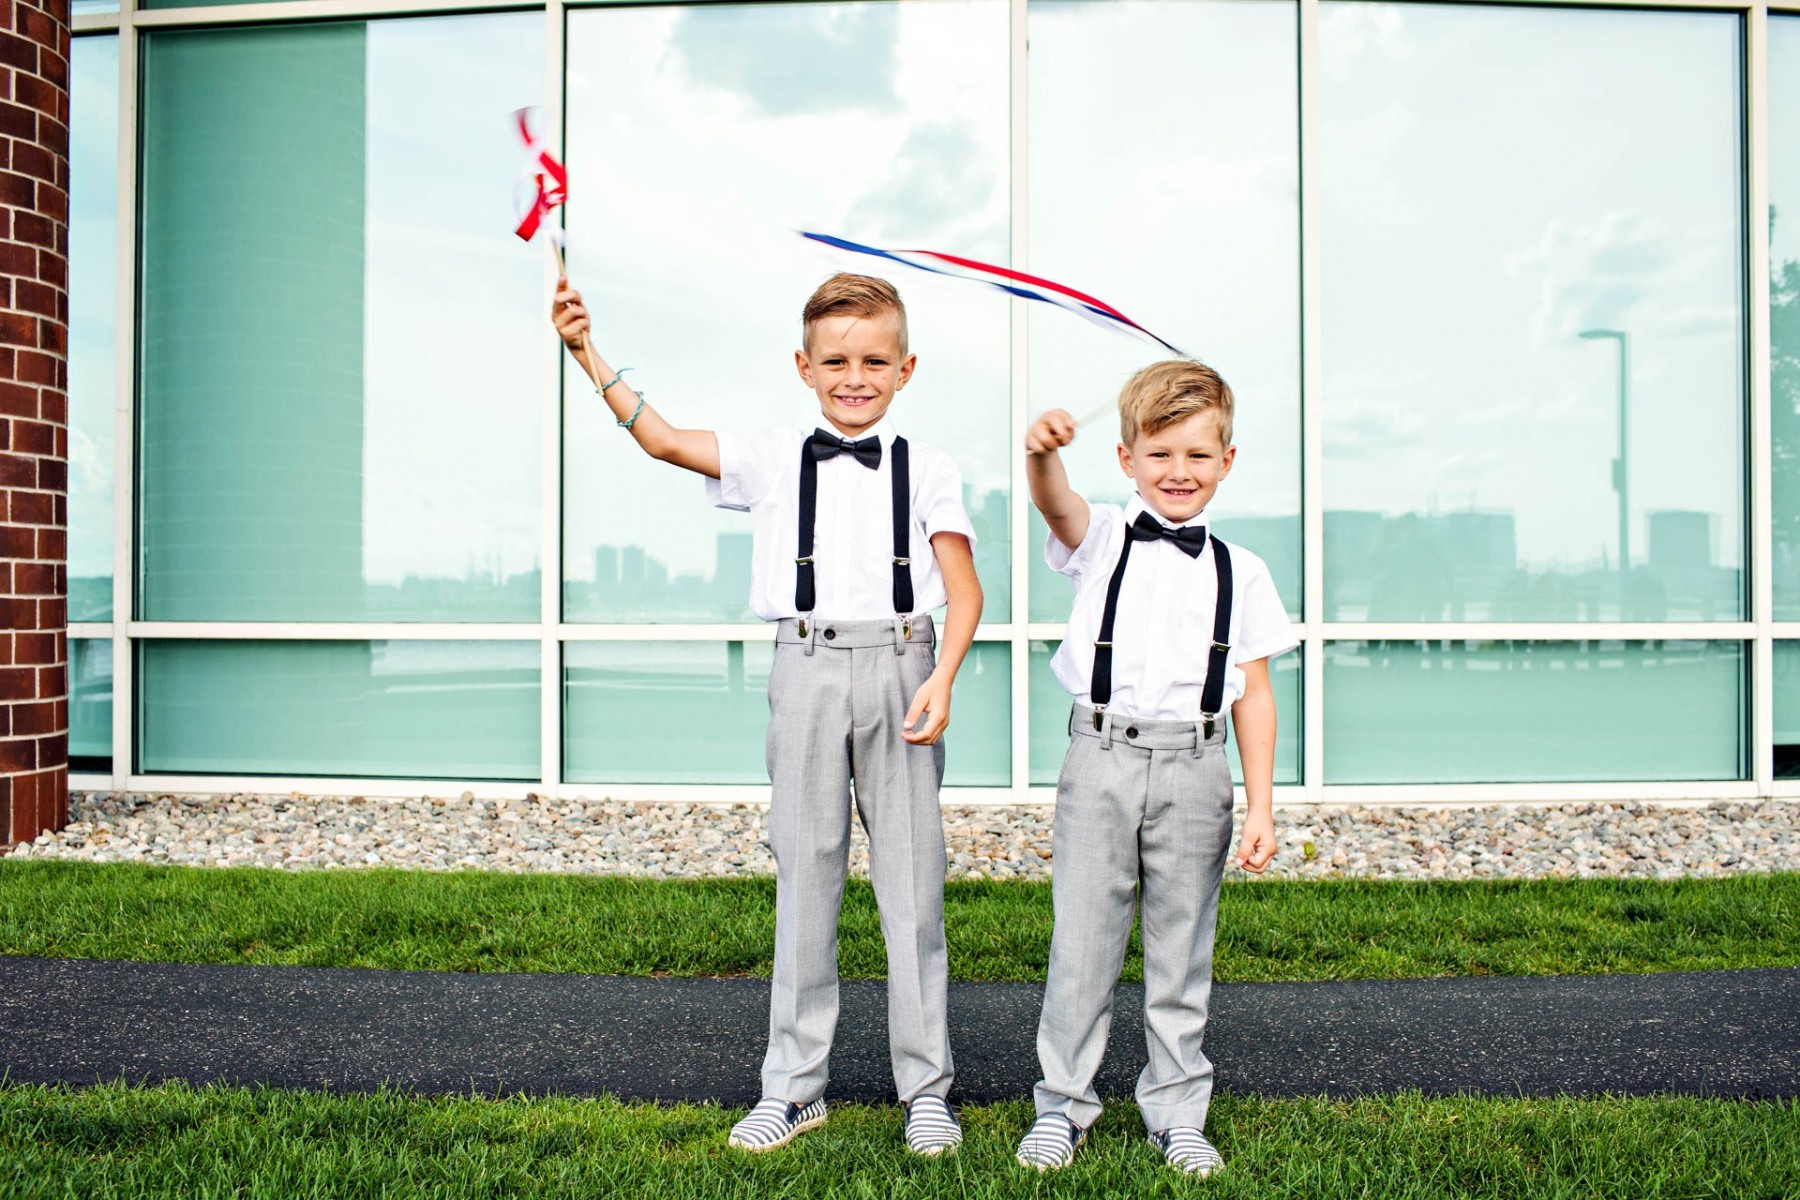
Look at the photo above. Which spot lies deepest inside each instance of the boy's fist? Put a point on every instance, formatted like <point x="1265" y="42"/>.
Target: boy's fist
<point x="569" y="315"/>
<point x="1051" y="431"/>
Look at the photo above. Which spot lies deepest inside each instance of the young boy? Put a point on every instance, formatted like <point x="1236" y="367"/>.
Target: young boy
<point x="1170" y="628"/>
<point x="857" y="535"/>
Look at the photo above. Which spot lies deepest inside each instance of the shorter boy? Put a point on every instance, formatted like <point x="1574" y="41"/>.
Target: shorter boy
<point x="1170" y="627"/>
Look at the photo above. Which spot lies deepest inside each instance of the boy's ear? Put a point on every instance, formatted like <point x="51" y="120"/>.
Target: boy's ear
<point x="906" y="370"/>
<point x="1229" y="457"/>
<point x="1125" y="461"/>
<point x="804" y="366"/>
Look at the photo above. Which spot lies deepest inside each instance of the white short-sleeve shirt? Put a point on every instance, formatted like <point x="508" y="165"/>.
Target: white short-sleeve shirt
<point x="1162" y="633"/>
<point x="853" y="535"/>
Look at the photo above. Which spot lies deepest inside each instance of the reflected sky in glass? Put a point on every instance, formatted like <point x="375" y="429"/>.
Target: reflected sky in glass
<point x="362" y="442"/>
<point x="453" y="325"/>
<point x="708" y="136"/>
<point x="1784" y="304"/>
<point x="93" y="272"/>
<point x="1165" y="180"/>
<point x="1496" y="182"/>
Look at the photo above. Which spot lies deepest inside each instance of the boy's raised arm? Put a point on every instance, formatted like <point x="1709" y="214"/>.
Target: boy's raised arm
<point x="1063" y="508"/>
<point x="694" y="449"/>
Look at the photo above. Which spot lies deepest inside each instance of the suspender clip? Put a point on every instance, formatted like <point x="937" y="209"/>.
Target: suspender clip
<point x="1099" y="717"/>
<point x="805" y="561"/>
<point x="802" y="629"/>
<point x="903" y="562"/>
<point x="906" y="628"/>
<point x="1222" y="646"/>
<point x="1206" y="724"/>
<point x="1098" y="645"/>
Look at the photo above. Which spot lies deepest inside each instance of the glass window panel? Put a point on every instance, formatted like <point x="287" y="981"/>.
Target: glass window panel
<point x="90" y="704"/>
<point x="1522" y="712"/>
<point x="82" y="7"/>
<point x="1050" y="720"/>
<point x="429" y="710"/>
<point x="93" y="272"/>
<point x="1784" y="304"/>
<point x="339" y="407"/>
<point x="892" y="133"/>
<point x="631" y="710"/>
<point x="1787" y="710"/>
<point x="1165" y="180"/>
<point x="1511" y="289"/>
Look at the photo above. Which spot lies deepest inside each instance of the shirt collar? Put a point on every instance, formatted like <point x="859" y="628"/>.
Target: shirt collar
<point x="1136" y="505"/>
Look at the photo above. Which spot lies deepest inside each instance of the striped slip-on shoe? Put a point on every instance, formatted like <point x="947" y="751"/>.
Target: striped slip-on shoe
<point x="1188" y="1151"/>
<point x="931" y="1126"/>
<point x="774" y="1123"/>
<point x="1050" y="1143"/>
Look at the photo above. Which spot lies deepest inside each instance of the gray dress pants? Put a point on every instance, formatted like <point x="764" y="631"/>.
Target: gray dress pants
<point x="837" y="698"/>
<point x="1143" y="823"/>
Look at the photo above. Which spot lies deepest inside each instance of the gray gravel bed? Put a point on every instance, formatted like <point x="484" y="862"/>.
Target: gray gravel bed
<point x="688" y="840"/>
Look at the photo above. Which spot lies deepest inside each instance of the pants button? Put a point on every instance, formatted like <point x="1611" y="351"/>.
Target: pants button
<point x="830" y="634"/>
<point x="1131" y="731"/>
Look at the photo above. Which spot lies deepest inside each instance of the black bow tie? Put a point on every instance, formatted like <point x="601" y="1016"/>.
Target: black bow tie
<point x="1189" y="539"/>
<point x="824" y="445"/>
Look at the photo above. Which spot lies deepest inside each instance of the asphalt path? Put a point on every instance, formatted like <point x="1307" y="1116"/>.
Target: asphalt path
<point x="1713" y="1033"/>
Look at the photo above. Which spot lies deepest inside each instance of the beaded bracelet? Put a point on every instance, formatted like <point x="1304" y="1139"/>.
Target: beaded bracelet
<point x="613" y="380"/>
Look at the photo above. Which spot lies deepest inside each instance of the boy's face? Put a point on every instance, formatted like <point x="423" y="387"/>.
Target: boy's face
<point x="1178" y="469"/>
<point x="855" y="367"/>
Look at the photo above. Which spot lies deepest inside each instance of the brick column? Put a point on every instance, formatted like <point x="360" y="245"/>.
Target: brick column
<point x="34" y="417"/>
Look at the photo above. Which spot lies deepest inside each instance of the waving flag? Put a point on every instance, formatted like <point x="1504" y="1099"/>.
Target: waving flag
<point x="1015" y="283"/>
<point x="545" y="176"/>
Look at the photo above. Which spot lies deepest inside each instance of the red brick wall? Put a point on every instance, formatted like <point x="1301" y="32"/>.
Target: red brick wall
<point x="34" y="417"/>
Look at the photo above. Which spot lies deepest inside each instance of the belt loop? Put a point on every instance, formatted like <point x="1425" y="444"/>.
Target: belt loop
<point x="1106" y="730"/>
<point x="809" y="629"/>
<point x="902" y="631"/>
<point x="1199" y="740"/>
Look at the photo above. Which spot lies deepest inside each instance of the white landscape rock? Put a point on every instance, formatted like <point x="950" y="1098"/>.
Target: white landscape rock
<point x="676" y="840"/>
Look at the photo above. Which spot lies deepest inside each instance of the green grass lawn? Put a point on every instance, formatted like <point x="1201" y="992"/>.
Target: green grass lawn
<point x="470" y="921"/>
<point x="178" y="1142"/>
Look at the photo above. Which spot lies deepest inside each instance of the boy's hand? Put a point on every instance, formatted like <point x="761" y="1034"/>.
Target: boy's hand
<point x="1256" y="845"/>
<point x="1052" y="431"/>
<point x="569" y="315"/>
<point x="933" y="697"/>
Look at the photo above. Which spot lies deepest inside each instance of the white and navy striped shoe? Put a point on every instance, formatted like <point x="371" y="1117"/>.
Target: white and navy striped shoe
<point x="1187" y="1150"/>
<point x="931" y="1127"/>
<point x="775" y="1123"/>
<point x="1050" y="1143"/>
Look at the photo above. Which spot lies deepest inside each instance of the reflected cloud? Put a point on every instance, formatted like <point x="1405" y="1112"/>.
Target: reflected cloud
<point x="1347" y="31"/>
<point x="1599" y="275"/>
<point x="787" y="59"/>
<point x="941" y="187"/>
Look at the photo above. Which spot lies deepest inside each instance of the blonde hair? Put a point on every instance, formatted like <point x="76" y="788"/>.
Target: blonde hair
<point x="852" y="296"/>
<point x="1166" y="393"/>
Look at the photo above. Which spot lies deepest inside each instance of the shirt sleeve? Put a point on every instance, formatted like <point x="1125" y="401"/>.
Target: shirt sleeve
<point x="1102" y="518"/>
<point x="749" y="464"/>
<point x="940" y="498"/>
<point x="1264" y="631"/>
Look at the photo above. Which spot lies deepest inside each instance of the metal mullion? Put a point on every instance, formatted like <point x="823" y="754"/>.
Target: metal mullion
<point x="1761" y="443"/>
<point x="550" y="680"/>
<point x="1312" y="438"/>
<point x="85" y="23"/>
<point x="758" y="632"/>
<point x="287" y="11"/>
<point x="1018" y="133"/>
<point x="320" y="631"/>
<point x="124" y="667"/>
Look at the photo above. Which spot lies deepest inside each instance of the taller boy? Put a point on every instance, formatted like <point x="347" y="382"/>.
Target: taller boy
<point x="857" y="535"/>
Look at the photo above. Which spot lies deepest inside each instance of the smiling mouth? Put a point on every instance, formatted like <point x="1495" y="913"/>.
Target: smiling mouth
<point x="853" y="400"/>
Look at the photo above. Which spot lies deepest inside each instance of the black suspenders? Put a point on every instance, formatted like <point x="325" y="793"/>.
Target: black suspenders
<point x="1212" y="695"/>
<point x="805" y="597"/>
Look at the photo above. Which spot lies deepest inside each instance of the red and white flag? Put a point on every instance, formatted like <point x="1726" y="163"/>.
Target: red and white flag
<point x="547" y="182"/>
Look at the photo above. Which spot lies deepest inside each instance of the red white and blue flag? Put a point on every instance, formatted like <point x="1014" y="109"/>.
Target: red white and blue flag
<point x="1016" y="283"/>
<point x="546" y="181"/>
